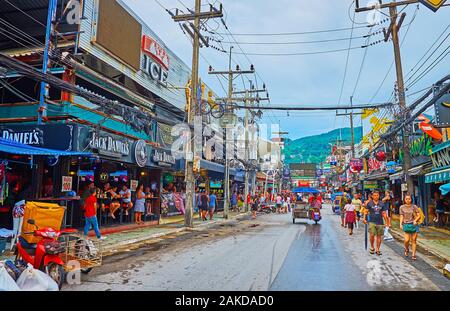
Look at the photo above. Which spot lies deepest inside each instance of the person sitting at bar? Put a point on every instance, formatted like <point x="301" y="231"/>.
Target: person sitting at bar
<point x="107" y="200"/>
<point x="112" y="200"/>
<point x="125" y="194"/>
<point x="148" y="201"/>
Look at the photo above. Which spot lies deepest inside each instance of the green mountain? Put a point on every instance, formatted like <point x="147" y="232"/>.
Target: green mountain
<point x="315" y="149"/>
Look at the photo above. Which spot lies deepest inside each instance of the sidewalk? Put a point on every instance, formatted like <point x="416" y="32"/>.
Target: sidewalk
<point x="431" y="240"/>
<point x="125" y="238"/>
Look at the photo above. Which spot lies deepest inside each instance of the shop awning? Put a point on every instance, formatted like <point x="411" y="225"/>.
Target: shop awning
<point x="438" y="176"/>
<point x="211" y="166"/>
<point x="12" y="147"/>
<point x="397" y="175"/>
<point x="420" y="169"/>
<point x="377" y="176"/>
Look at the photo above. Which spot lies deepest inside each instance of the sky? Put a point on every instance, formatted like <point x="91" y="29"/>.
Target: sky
<point x="312" y="80"/>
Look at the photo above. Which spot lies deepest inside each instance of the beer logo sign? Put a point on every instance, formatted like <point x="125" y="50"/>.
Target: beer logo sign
<point x="140" y="153"/>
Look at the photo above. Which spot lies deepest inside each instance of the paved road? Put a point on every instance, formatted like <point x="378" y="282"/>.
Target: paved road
<point x="269" y="253"/>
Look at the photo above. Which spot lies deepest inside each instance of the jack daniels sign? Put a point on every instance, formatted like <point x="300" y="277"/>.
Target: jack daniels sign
<point x="50" y="136"/>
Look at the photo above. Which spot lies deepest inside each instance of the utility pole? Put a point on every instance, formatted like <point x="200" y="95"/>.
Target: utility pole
<point x="192" y="111"/>
<point x="247" y="154"/>
<point x="393" y="33"/>
<point x="51" y="15"/>
<point x="247" y="102"/>
<point x="229" y="113"/>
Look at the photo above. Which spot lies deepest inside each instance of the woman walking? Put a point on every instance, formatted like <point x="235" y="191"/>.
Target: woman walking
<point x="350" y="216"/>
<point x="409" y="217"/>
<point x="139" y="205"/>
<point x="204" y="208"/>
<point x="255" y="205"/>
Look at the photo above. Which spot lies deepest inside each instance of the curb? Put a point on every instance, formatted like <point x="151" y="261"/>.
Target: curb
<point x="422" y="249"/>
<point x="120" y="247"/>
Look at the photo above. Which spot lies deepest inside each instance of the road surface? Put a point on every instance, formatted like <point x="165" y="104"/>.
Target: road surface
<point x="269" y="253"/>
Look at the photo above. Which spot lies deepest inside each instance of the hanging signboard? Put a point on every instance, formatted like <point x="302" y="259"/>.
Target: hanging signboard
<point x="442" y="109"/>
<point x="433" y="5"/>
<point x="66" y="183"/>
<point x="51" y="136"/>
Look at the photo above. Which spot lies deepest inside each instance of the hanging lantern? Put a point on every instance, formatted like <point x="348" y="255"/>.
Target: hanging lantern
<point x="380" y="156"/>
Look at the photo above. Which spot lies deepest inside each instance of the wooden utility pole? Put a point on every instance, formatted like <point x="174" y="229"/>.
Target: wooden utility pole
<point x="229" y="113"/>
<point x="44" y="92"/>
<point x="192" y="107"/>
<point x="393" y="33"/>
<point x="248" y="100"/>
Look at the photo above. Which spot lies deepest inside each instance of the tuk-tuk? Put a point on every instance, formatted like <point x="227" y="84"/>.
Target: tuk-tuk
<point x="336" y="201"/>
<point x="304" y="209"/>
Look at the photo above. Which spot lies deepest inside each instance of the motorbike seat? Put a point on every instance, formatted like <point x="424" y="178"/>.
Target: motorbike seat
<point x="26" y="245"/>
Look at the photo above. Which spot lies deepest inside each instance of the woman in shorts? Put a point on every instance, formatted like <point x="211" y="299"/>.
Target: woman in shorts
<point x="409" y="217"/>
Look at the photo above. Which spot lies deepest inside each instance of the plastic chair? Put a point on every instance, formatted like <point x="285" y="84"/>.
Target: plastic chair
<point x="17" y="228"/>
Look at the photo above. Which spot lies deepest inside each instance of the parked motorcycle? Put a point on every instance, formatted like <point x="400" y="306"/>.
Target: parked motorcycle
<point x="45" y="255"/>
<point x="267" y="208"/>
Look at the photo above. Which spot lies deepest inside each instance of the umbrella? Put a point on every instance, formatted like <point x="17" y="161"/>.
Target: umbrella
<point x="305" y="190"/>
<point x="445" y="189"/>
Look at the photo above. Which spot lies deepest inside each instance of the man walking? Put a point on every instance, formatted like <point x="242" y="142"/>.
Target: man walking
<point x="357" y="203"/>
<point x="376" y="210"/>
<point x="90" y="214"/>
<point x="342" y="204"/>
<point x="212" y="204"/>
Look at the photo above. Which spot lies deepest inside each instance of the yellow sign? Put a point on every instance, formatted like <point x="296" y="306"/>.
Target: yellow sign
<point x="434" y="5"/>
<point x="368" y="112"/>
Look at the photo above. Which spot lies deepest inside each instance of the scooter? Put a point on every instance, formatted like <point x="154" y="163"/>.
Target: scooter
<point x="267" y="208"/>
<point x="315" y="215"/>
<point x="45" y="254"/>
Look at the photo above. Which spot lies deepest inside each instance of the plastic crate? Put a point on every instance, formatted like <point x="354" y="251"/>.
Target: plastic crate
<point x="2" y="245"/>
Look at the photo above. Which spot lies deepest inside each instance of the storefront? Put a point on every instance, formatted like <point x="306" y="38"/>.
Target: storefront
<point x="23" y="168"/>
<point x="172" y="200"/>
<point x="440" y="173"/>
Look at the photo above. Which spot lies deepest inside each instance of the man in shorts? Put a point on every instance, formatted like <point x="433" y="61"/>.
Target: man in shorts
<point x="376" y="210"/>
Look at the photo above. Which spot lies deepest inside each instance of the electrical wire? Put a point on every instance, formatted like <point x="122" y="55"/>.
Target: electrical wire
<point x="303" y="53"/>
<point x="430" y="67"/>
<point x="296" y="42"/>
<point x="290" y="33"/>
<point x="392" y="63"/>
<point x="362" y="64"/>
<point x="346" y="62"/>
<point x="418" y="62"/>
<point x="428" y="58"/>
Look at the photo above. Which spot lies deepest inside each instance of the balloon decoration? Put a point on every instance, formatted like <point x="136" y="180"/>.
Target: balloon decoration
<point x="356" y="165"/>
<point x="380" y="156"/>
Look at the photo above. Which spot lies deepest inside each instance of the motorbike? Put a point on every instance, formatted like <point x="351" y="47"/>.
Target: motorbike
<point x="45" y="255"/>
<point x="315" y="215"/>
<point x="267" y="208"/>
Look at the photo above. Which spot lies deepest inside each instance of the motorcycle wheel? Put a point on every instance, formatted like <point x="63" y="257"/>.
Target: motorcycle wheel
<point x="57" y="273"/>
